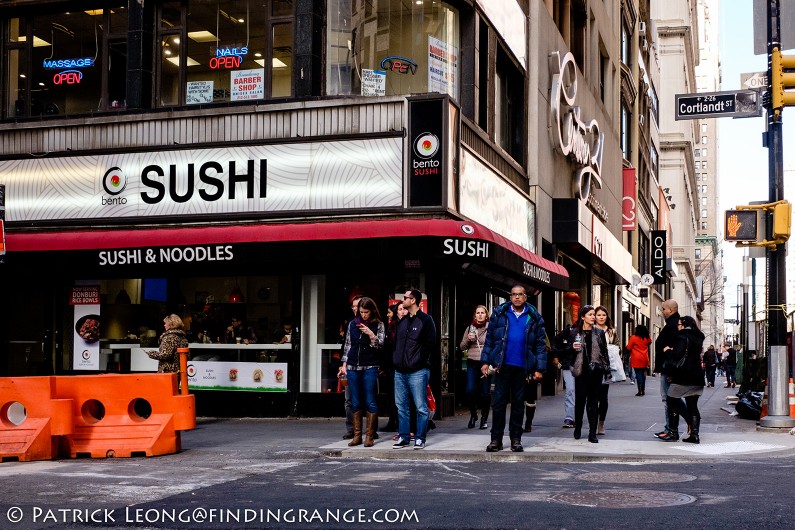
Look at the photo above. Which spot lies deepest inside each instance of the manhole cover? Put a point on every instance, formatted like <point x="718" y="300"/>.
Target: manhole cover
<point x="636" y="477"/>
<point x="623" y="498"/>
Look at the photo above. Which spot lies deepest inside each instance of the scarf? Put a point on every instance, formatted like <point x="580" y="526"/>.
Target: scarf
<point x="476" y="325"/>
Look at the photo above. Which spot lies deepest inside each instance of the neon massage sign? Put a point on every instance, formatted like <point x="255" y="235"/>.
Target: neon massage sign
<point x="581" y="142"/>
<point x="72" y="76"/>
<point x="228" y="58"/>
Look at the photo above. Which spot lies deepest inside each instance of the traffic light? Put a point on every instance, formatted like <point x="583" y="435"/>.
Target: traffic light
<point x="782" y="220"/>
<point x="741" y="225"/>
<point x="780" y="80"/>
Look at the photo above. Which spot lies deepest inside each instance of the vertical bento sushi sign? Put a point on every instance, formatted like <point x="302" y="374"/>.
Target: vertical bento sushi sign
<point x="85" y="299"/>
<point x="2" y="223"/>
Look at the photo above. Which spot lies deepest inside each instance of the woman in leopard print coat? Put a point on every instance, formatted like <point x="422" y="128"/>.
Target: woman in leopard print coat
<point x="171" y="339"/>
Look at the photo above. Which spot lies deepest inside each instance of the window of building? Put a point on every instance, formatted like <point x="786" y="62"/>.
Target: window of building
<point x="509" y="106"/>
<point x="643" y="253"/>
<point x="703" y="140"/>
<point x="654" y="160"/>
<point x="703" y="214"/>
<point x="697" y="152"/>
<point x="225" y="51"/>
<point x="703" y="201"/>
<point x="417" y="44"/>
<point x="703" y="225"/>
<point x="698" y="253"/>
<point x="703" y="164"/>
<point x="604" y="74"/>
<point x="66" y="63"/>
<point x="626" y="44"/>
<point x="698" y="164"/>
<point x="704" y="177"/>
<point x="704" y="189"/>
<point x="704" y="152"/>
<point x="626" y="118"/>
<point x="704" y="127"/>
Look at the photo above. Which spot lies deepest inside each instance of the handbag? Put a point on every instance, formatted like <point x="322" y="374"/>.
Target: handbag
<point x="616" y="365"/>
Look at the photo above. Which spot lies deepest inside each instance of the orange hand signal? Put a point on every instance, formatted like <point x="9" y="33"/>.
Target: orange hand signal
<point x="733" y="225"/>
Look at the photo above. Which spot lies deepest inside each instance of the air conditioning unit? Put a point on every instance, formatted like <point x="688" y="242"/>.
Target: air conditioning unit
<point x="642" y="29"/>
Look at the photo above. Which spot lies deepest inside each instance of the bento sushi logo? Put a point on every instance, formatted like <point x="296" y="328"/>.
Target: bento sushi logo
<point x="426" y="145"/>
<point x="114" y="182"/>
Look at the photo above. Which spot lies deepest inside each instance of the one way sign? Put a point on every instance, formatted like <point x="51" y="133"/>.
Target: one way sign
<point x="754" y="80"/>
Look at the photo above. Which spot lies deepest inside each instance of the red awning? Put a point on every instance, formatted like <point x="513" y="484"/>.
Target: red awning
<point x="267" y="233"/>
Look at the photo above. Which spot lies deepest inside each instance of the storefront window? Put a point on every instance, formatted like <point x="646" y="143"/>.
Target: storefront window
<point x="228" y="50"/>
<point x="392" y="47"/>
<point x="77" y="62"/>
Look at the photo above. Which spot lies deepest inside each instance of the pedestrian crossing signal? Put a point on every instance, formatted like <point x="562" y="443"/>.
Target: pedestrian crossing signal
<point x="741" y="225"/>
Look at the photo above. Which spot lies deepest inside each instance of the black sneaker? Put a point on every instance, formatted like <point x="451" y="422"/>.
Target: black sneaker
<point x="400" y="444"/>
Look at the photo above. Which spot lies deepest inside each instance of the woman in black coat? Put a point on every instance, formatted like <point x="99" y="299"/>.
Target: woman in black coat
<point x="586" y="346"/>
<point x="686" y="375"/>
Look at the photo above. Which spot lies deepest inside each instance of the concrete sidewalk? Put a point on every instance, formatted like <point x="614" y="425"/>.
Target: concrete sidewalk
<point x="631" y="422"/>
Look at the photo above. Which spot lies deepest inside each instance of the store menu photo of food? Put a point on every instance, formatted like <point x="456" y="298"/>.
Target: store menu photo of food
<point x="261" y="377"/>
<point x="88" y="322"/>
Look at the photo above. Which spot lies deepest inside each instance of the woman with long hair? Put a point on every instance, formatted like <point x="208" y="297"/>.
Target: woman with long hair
<point x="586" y="346"/>
<point x="171" y="339"/>
<point x="392" y="318"/>
<point x="638" y="347"/>
<point x="360" y="362"/>
<point x="605" y="323"/>
<point x="686" y="376"/>
<point x="477" y="387"/>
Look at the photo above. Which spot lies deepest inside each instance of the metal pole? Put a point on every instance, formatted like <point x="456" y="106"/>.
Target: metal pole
<point x="776" y="258"/>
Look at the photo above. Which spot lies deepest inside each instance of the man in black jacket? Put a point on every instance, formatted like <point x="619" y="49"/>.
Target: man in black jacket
<point x="415" y="341"/>
<point x="666" y="337"/>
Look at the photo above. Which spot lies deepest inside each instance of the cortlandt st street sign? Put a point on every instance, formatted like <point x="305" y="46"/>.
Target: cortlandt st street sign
<point x="727" y="104"/>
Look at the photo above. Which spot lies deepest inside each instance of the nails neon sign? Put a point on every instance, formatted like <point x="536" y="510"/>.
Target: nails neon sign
<point x="228" y="57"/>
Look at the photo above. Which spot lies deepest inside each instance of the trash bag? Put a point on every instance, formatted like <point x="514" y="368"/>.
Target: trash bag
<point x="749" y="406"/>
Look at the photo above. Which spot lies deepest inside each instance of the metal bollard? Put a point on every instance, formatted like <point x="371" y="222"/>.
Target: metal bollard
<point x="778" y="397"/>
<point x="183" y="370"/>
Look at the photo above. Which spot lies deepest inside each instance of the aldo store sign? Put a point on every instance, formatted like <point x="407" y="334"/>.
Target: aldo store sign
<point x="428" y="143"/>
<point x="200" y="182"/>
<point x="580" y="141"/>
<point x="659" y="253"/>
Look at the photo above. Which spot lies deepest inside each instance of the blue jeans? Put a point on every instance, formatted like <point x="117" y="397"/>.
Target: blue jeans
<point x="364" y="389"/>
<point x="478" y="388"/>
<point x="568" y="396"/>
<point x="730" y="380"/>
<point x="509" y="384"/>
<point x="664" y="384"/>
<point x="640" y="377"/>
<point x="412" y="387"/>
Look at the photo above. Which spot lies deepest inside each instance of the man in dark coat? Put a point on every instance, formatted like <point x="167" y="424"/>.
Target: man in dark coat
<point x="666" y="337"/>
<point x="515" y="352"/>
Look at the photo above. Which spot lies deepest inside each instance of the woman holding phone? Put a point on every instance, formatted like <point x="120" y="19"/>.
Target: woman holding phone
<point x="478" y="387"/>
<point x="360" y="362"/>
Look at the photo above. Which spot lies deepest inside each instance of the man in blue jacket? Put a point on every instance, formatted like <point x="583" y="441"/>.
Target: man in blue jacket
<point x="515" y="351"/>
<point x="415" y="340"/>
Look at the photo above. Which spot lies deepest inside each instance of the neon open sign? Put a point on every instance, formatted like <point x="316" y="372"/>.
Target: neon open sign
<point x="228" y="57"/>
<point x="68" y="77"/>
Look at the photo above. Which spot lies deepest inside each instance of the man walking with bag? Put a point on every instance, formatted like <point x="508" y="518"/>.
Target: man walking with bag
<point x="515" y="351"/>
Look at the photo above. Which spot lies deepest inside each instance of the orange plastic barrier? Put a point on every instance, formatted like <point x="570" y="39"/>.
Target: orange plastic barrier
<point x="764" y="404"/>
<point x="31" y="418"/>
<point x="123" y="415"/>
<point x="791" y="398"/>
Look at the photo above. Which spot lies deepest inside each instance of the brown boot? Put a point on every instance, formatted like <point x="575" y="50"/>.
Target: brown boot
<point x="357" y="429"/>
<point x="372" y="425"/>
